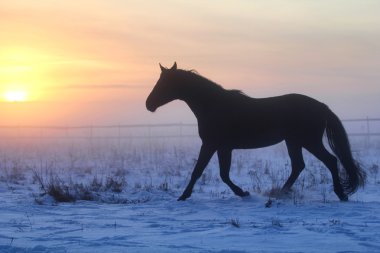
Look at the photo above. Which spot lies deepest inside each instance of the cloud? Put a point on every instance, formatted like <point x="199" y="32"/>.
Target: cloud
<point x="99" y="86"/>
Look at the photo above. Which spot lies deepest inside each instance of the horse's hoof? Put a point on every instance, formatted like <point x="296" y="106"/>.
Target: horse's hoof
<point x="342" y="196"/>
<point x="269" y="203"/>
<point x="245" y="194"/>
<point x="182" y="198"/>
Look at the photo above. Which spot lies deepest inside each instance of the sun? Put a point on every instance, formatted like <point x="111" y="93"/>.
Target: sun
<point x="15" y="96"/>
<point x="23" y="74"/>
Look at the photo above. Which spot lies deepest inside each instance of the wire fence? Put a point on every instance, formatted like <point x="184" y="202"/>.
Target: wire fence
<point x="364" y="127"/>
<point x="125" y="131"/>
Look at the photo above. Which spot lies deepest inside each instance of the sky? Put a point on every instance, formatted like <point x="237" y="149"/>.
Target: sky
<point x="95" y="62"/>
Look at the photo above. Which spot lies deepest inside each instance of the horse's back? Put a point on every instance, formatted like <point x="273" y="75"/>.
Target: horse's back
<point x="290" y="105"/>
<point x="280" y="109"/>
<point x="246" y="122"/>
<point x="288" y="113"/>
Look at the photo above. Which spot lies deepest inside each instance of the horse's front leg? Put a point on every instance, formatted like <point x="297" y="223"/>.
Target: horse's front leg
<point x="204" y="157"/>
<point x="224" y="156"/>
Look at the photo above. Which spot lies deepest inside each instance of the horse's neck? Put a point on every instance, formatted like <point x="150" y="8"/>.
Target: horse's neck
<point x="200" y="102"/>
<point x="197" y="107"/>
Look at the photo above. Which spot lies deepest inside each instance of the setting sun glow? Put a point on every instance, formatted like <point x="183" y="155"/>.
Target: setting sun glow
<point x="15" y="96"/>
<point x="95" y="62"/>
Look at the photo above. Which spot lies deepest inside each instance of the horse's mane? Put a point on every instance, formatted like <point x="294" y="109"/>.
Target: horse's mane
<point x="205" y="82"/>
<point x="193" y="74"/>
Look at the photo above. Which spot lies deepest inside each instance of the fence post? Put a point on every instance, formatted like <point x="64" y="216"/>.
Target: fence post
<point x="180" y="135"/>
<point x="91" y="136"/>
<point x="119" y="135"/>
<point x="18" y="132"/>
<point x="150" y="143"/>
<point x="41" y="135"/>
<point x="368" y="134"/>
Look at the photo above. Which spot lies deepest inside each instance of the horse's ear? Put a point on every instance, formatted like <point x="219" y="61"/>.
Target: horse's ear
<point x="174" y="66"/>
<point x="162" y="68"/>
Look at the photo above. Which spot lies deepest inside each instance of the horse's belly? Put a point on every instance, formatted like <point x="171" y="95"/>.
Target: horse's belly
<point x="255" y="141"/>
<point x="243" y="136"/>
<point x="240" y="138"/>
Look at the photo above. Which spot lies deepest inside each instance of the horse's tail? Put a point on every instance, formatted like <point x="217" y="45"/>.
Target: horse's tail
<point x="337" y="137"/>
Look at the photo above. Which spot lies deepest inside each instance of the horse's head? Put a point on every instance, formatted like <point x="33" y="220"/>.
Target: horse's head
<point x="165" y="89"/>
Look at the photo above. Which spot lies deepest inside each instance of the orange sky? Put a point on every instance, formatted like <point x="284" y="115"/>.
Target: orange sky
<point x="94" y="62"/>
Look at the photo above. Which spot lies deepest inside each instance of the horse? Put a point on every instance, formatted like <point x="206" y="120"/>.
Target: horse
<point x="229" y="119"/>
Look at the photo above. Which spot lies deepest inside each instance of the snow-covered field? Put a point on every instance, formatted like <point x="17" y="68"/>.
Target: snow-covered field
<point x="122" y="198"/>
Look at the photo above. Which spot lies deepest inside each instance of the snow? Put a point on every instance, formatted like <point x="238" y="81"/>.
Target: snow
<point x="146" y="216"/>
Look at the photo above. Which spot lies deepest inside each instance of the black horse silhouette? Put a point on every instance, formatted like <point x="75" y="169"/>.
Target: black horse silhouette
<point x="228" y="119"/>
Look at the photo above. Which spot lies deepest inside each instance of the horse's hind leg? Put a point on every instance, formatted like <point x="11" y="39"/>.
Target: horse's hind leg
<point x="224" y="156"/>
<point x="296" y="158"/>
<point x="318" y="150"/>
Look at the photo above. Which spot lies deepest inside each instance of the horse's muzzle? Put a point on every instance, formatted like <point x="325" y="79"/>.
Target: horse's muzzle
<point x="150" y="107"/>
